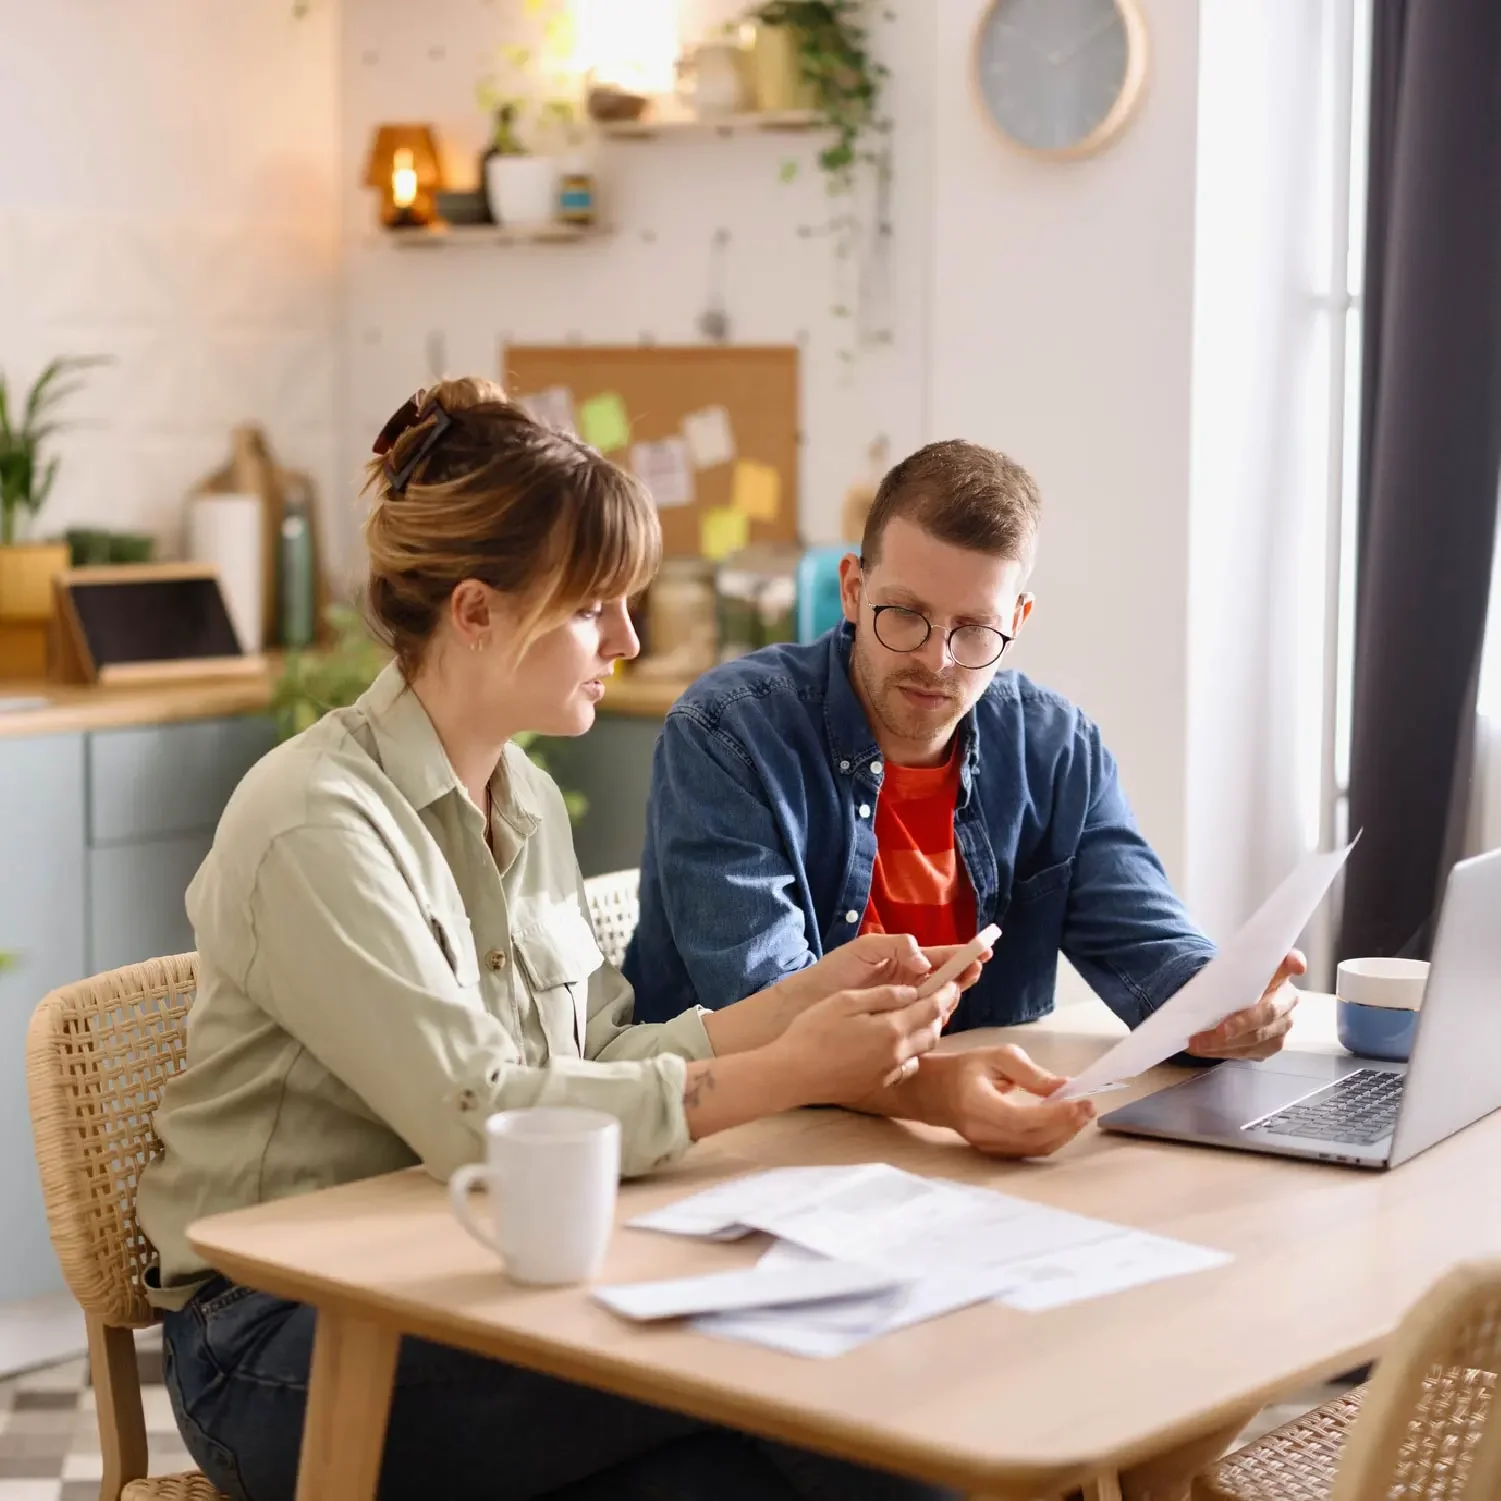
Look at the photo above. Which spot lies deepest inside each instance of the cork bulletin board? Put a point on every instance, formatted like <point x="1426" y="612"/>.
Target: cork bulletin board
<point x="712" y="430"/>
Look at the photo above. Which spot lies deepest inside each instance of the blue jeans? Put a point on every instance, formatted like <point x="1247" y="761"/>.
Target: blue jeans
<point x="465" y="1428"/>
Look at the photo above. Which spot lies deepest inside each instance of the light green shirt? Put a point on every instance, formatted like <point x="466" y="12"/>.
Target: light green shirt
<point x="373" y="982"/>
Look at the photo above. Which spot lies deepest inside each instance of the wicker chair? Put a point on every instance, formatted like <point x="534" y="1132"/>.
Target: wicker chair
<point x="1425" y="1427"/>
<point x="614" y="905"/>
<point x="97" y="1055"/>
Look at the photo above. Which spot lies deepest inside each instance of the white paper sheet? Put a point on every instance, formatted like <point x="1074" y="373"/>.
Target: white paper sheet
<point x="952" y="1245"/>
<point x="1129" y="1258"/>
<point x="711" y="440"/>
<point x="829" y="1329"/>
<point x="807" y="1281"/>
<point x="1231" y="981"/>
<point x="663" y="467"/>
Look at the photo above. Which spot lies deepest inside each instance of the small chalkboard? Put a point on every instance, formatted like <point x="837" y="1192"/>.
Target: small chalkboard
<point x="144" y="623"/>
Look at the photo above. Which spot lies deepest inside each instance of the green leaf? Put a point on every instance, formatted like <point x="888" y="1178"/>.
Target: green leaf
<point x="789" y="170"/>
<point x="44" y="489"/>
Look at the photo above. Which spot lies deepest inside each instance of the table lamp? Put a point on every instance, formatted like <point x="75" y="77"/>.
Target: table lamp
<point x="403" y="164"/>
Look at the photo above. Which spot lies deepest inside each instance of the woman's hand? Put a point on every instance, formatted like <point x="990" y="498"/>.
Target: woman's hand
<point x="841" y="1048"/>
<point x="875" y="959"/>
<point x="872" y="960"/>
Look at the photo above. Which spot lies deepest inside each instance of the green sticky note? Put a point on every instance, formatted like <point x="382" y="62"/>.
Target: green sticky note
<point x="722" y="530"/>
<point x="603" y="423"/>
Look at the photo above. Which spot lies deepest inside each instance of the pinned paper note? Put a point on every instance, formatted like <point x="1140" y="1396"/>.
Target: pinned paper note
<point x="664" y="468"/>
<point x="603" y="423"/>
<point x="552" y="408"/>
<point x="710" y="438"/>
<point x="757" y="491"/>
<point x="721" y="531"/>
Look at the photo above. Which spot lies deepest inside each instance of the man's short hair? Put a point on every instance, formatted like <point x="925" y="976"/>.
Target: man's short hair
<point x="962" y="494"/>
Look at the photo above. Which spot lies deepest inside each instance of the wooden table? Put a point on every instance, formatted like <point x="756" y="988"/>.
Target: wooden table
<point x="995" y="1402"/>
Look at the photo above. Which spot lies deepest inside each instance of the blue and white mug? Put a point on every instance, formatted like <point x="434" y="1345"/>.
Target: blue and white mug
<point x="1376" y="1011"/>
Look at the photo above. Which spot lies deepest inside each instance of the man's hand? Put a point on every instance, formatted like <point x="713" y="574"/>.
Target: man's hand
<point x="997" y="1100"/>
<point x="1260" y="1030"/>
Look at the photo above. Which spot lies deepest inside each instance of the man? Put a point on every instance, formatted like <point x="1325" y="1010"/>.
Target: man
<point x="890" y="777"/>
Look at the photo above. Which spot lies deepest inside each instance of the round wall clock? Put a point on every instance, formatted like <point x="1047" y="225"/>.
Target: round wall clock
<point x="1061" y="78"/>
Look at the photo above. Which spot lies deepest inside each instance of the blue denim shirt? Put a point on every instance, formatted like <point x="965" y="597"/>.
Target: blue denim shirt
<point x="761" y="840"/>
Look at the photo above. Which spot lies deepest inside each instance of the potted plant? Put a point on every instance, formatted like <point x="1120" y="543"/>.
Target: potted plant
<point x="530" y="102"/>
<point x="521" y="189"/>
<point x="838" y="76"/>
<point x="27" y="568"/>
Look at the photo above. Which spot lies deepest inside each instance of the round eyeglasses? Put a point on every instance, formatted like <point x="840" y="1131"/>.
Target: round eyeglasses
<point x="902" y="630"/>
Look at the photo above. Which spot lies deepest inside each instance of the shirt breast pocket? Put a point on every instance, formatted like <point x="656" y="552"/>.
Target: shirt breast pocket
<point x="1032" y="928"/>
<point x="558" y="955"/>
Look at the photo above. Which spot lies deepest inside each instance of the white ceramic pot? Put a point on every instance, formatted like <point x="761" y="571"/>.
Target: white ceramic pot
<point x="522" y="190"/>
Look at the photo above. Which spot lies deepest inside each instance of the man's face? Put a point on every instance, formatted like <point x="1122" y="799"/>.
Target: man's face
<point x="916" y="698"/>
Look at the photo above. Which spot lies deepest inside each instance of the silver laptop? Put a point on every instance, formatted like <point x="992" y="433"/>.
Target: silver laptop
<point x="1352" y="1110"/>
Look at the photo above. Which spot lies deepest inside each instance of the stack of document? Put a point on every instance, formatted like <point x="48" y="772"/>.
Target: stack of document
<point x="862" y="1251"/>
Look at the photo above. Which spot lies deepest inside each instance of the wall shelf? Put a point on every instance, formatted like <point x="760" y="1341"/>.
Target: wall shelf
<point x="446" y="235"/>
<point x="724" y="125"/>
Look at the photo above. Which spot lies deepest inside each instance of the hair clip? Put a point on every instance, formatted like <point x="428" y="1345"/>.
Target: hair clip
<point x="396" y="424"/>
<point x="390" y="434"/>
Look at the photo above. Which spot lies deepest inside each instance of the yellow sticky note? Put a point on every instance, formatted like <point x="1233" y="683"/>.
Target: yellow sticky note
<point x="603" y="423"/>
<point x="721" y="531"/>
<point x="757" y="492"/>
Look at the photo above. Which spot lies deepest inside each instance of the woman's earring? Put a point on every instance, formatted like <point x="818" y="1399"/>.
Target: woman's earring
<point x="478" y="644"/>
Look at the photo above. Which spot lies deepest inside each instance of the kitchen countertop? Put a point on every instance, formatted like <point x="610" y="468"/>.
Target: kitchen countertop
<point x="71" y="708"/>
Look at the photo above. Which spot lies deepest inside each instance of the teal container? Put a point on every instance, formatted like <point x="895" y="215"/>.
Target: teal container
<point x="296" y="576"/>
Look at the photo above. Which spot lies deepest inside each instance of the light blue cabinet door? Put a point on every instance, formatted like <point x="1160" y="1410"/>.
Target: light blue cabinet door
<point x="136" y="895"/>
<point x="42" y="923"/>
<point x="161" y="779"/>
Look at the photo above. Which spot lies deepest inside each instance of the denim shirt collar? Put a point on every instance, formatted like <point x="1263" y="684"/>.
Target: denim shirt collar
<point x="852" y="743"/>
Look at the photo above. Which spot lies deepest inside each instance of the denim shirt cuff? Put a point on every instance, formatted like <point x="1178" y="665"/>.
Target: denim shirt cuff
<point x="1171" y="978"/>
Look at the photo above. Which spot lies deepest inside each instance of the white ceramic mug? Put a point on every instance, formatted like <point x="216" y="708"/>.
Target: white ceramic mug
<point x="551" y="1176"/>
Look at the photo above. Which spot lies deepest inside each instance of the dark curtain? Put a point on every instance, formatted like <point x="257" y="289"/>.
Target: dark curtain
<point x="1430" y="456"/>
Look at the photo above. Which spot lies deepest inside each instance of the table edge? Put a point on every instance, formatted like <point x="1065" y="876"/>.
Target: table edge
<point x="762" y="1416"/>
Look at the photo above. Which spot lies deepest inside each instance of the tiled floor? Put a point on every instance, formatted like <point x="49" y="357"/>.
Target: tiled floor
<point x="49" y="1442"/>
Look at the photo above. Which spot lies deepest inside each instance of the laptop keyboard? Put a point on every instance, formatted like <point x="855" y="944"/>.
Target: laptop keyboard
<point x="1360" y="1108"/>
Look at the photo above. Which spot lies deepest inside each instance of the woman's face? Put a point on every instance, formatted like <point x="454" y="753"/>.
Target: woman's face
<point x="555" y="686"/>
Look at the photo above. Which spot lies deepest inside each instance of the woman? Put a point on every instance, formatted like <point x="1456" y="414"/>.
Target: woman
<point x="392" y="945"/>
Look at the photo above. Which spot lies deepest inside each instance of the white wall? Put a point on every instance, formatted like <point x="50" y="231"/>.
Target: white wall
<point x="1061" y="308"/>
<point x="168" y="198"/>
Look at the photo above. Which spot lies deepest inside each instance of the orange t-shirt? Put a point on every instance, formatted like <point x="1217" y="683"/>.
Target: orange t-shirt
<point x="919" y="885"/>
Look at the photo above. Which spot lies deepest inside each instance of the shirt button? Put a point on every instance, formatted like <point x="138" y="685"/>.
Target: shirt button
<point x="876" y="768"/>
<point x="844" y="766"/>
<point x="495" y="960"/>
<point x="852" y="916"/>
<point x="864" y="810"/>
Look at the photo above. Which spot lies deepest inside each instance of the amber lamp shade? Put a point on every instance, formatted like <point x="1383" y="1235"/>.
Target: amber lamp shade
<point x="403" y="164"/>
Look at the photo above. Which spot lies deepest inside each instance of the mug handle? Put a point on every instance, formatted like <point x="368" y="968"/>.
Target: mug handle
<point x="458" y="1200"/>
